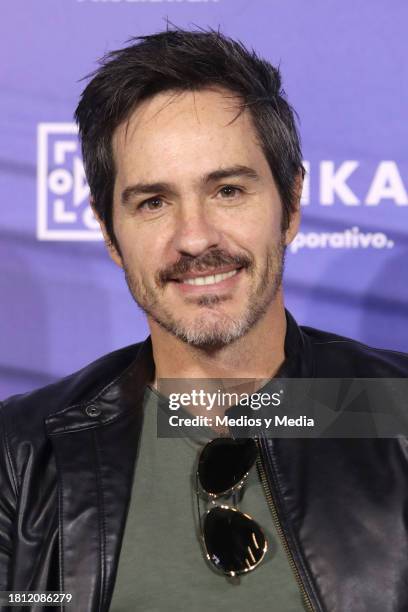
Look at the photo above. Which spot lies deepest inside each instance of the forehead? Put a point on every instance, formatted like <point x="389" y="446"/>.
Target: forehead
<point x="185" y="127"/>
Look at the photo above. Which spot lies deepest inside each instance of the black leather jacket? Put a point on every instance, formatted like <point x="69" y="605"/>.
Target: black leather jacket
<point x="67" y="462"/>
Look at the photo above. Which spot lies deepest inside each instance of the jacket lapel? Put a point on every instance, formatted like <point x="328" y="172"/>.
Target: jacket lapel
<point x="95" y="445"/>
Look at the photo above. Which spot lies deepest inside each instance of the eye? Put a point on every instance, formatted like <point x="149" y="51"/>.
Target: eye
<point x="151" y="204"/>
<point x="230" y="191"/>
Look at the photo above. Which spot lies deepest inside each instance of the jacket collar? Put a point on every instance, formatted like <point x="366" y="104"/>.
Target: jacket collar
<point x="119" y="397"/>
<point x="299" y="362"/>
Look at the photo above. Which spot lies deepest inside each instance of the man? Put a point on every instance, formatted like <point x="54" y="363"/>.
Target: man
<point x="194" y="166"/>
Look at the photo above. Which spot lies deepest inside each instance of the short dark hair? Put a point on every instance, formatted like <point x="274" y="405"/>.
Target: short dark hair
<point x="183" y="60"/>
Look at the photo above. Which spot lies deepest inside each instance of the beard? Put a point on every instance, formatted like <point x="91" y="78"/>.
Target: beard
<point x="213" y="328"/>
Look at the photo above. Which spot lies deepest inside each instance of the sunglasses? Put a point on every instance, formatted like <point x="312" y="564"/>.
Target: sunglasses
<point x="233" y="542"/>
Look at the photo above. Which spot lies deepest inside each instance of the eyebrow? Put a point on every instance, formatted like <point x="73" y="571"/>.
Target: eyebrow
<point x="211" y="177"/>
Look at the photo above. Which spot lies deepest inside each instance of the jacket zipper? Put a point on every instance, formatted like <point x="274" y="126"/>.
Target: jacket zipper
<point x="272" y="507"/>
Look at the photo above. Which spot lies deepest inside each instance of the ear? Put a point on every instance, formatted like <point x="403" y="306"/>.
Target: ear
<point x="113" y="253"/>
<point x="295" y="216"/>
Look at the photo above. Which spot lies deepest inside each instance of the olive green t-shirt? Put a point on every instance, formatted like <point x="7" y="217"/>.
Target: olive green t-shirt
<point x="161" y="566"/>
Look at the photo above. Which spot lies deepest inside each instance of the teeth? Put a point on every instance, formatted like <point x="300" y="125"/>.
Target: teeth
<point x="209" y="280"/>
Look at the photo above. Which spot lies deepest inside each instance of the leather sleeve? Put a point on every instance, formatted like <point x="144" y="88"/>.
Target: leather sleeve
<point x="8" y="504"/>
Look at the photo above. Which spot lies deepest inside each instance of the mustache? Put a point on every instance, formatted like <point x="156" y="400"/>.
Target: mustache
<point x="209" y="261"/>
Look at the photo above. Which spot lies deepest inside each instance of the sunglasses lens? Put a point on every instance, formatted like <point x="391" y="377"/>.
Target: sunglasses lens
<point x="235" y="543"/>
<point x="224" y="462"/>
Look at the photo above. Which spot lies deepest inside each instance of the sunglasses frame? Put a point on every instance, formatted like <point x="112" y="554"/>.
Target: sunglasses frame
<point x="211" y="498"/>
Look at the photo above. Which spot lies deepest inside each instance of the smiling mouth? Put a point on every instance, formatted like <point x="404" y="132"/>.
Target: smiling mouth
<point x="201" y="279"/>
<point x="211" y="279"/>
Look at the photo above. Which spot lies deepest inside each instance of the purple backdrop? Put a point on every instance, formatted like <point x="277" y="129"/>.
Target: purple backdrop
<point x="63" y="303"/>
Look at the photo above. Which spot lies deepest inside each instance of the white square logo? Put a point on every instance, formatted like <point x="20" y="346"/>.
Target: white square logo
<point x="63" y="211"/>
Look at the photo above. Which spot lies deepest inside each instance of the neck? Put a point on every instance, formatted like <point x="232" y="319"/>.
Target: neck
<point x="257" y="354"/>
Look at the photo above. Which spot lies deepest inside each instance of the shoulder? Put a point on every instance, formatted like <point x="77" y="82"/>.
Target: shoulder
<point x="336" y="355"/>
<point x="26" y="410"/>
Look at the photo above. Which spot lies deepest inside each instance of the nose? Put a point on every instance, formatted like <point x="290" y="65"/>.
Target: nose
<point x="195" y="232"/>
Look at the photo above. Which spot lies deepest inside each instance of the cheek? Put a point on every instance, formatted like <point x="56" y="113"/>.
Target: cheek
<point x="257" y="233"/>
<point x="262" y="213"/>
<point x="143" y="251"/>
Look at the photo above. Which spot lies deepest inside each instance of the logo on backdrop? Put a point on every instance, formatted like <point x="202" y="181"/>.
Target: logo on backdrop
<point x="64" y="213"/>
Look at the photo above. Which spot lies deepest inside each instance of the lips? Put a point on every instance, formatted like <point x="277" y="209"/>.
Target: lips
<point x="207" y="277"/>
<point x="219" y="282"/>
<point x="210" y="279"/>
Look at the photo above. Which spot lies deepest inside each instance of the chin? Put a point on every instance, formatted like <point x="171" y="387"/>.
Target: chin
<point x="210" y="334"/>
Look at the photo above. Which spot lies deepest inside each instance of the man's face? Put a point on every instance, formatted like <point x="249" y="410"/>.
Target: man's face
<point x="197" y="216"/>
